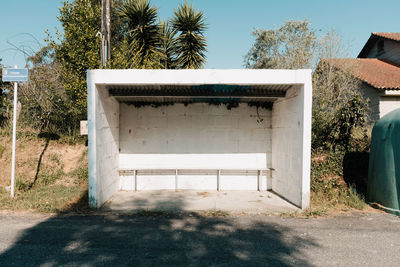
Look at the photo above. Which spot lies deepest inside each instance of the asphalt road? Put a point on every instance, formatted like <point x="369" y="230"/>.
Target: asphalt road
<point x="193" y="240"/>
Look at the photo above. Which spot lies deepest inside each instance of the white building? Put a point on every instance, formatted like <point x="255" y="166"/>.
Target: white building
<point x="170" y="129"/>
<point x="378" y="68"/>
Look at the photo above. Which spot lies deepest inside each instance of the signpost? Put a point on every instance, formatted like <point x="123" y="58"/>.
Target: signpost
<point x="14" y="75"/>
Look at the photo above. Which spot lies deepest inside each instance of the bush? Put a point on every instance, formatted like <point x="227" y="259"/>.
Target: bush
<point x="337" y="131"/>
<point x="45" y="104"/>
<point x="328" y="186"/>
<point x="338" y="108"/>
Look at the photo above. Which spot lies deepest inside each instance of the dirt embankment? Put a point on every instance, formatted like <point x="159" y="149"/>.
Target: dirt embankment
<point x="51" y="174"/>
<point x="35" y="156"/>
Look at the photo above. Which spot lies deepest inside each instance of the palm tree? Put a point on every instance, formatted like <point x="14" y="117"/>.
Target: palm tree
<point x="168" y="45"/>
<point x="142" y="33"/>
<point x="190" y="44"/>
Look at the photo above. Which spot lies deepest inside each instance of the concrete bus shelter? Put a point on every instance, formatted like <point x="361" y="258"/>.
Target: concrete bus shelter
<point x="170" y="130"/>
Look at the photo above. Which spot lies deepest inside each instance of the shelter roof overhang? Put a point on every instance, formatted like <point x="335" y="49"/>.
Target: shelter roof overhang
<point x="197" y="85"/>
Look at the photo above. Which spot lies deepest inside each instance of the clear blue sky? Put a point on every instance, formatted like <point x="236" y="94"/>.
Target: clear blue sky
<point x="230" y="23"/>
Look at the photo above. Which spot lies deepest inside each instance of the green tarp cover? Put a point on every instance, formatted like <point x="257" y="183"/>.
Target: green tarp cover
<point x="384" y="164"/>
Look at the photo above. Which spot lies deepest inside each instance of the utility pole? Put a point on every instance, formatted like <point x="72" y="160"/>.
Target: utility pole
<point x="105" y="31"/>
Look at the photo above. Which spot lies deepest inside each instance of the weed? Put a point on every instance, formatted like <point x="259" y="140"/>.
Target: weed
<point x="54" y="157"/>
<point x="80" y="174"/>
<point x="21" y="146"/>
<point x="2" y="149"/>
<point x="48" y="178"/>
<point x="83" y="156"/>
<point x="351" y="198"/>
<point x="315" y="212"/>
<point x="216" y="213"/>
<point x="22" y="185"/>
<point x="285" y="214"/>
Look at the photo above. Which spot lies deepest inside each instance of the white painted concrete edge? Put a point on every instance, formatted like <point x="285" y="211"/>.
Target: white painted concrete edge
<point x="91" y="108"/>
<point x="307" y="120"/>
<point x="204" y="76"/>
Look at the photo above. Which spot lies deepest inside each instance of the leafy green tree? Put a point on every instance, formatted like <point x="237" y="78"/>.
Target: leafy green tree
<point x="77" y="49"/>
<point x="291" y="46"/>
<point x="351" y="115"/>
<point x="337" y="108"/>
<point x="190" y="43"/>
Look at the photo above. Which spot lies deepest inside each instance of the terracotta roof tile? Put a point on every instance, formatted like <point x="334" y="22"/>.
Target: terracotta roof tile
<point x="388" y="35"/>
<point x="375" y="72"/>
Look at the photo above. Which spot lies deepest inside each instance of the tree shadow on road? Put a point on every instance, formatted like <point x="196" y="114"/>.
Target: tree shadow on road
<point x="156" y="238"/>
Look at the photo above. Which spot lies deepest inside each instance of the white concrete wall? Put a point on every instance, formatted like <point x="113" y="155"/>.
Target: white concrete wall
<point x="290" y="141"/>
<point x="381" y="102"/>
<point x="103" y="120"/>
<point x="197" y="136"/>
<point x="388" y="104"/>
<point x="194" y="136"/>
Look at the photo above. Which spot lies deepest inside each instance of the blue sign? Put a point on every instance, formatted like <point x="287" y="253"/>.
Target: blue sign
<point x="15" y="75"/>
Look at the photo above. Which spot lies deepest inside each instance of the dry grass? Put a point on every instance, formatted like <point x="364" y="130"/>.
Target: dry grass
<point x="49" y="178"/>
<point x="215" y="213"/>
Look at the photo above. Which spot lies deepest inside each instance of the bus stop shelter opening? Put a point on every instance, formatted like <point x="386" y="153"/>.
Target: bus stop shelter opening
<point x="199" y="130"/>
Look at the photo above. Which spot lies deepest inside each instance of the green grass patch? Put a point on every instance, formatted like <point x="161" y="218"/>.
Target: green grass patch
<point x="352" y="199"/>
<point x="43" y="198"/>
<point x="80" y="174"/>
<point x="49" y="177"/>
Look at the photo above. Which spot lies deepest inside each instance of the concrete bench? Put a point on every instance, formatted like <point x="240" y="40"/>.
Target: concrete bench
<point x="218" y="172"/>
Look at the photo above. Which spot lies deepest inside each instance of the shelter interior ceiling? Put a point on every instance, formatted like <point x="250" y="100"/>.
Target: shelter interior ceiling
<point x="198" y="93"/>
